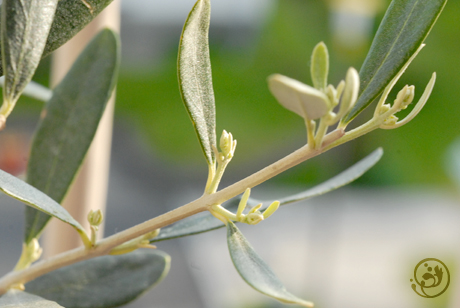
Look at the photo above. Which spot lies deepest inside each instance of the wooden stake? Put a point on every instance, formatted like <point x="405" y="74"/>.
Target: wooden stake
<point x="89" y="189"/>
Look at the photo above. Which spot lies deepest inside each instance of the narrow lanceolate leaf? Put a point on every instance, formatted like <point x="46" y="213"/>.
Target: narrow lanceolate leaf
<point x="70" y="120"/>
<point x="320" y="66"/>
<point x="255" y="271"/>
<point x="337" y="181"/>
<point x="25" y="27"/>
<point x="108" y="281"/>
<point x="205" y="222"/>
<point x="71" y="16"/>
<point x="31" y="196"/>
<point x="195" y="80"/>
<point x="19" y="299"/>
<point x="405" y="26"/>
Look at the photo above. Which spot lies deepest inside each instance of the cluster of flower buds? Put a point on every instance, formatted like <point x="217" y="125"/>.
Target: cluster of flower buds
<point x="227" y="147"/>
<point x="253" y="217"/>
<point x="384" y="114"/>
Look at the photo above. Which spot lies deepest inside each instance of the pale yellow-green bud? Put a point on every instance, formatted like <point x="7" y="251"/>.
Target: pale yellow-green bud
<point x="405" y="97"/>
<point x="331" y="92"/>
<point x="391" y="120"/>
<point x="384" y="108"/>
<point x="152" y="234"/>
<point x="256" y="208"/>
<point x="95" y="217"/>
<point x="35" y="250"/>
<point x="31" y="252"/>
<point x="254" y="218"/>
<point x="227" y="144"/>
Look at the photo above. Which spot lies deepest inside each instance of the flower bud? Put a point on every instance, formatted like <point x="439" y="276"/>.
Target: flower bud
<point x="227" y="144"/>
<point x="405" y="97"/>
<point x="391" y="120"/>
<point x="95" y="217"/>
<point x="254" y="218"/>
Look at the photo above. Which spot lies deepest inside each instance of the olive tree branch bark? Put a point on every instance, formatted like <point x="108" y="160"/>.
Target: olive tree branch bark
<point x="201" y="204"/>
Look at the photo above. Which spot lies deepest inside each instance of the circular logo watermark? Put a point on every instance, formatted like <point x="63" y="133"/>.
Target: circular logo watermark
<point x="431" y="278"/>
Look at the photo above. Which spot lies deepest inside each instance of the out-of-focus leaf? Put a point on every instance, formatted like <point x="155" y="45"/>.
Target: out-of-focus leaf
<point x="195" y="79"/>
<point x="70" y="17"/>
<point x="71" y="118"/>
<point x="255" y="271"/>
<point x="25" y="27"/>
<point x="108" y="281"/>
<point x="405" y="26"/>
<point x="19" y="299"/>
<point x="31" y="196"/>
<point x="452" y="161"/>
<point x="205" y="222"/>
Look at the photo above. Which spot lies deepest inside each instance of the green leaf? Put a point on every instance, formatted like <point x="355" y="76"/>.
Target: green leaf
<point x="205" y="222"/>
<point x="71" y="16"/>
<point x="195" y="79"/>
<point x="19" y="299"/>
<point x="25" y="27"/>
<point x="320" y="66"/>
<point x="255" y="271"/>
<point x="71" y="118"/>
<point x="306" y="101"/>
<point x="342" y="179"/>
<point x="405" y="26"/>
<point x="31" y="196"/>
<point x="108" y="281"/>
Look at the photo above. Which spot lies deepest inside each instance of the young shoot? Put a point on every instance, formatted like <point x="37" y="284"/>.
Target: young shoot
<point x="227" y="150"/>
<point x="253" y="217"/>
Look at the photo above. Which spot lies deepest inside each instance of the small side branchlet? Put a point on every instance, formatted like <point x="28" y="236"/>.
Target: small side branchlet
<point x="316" y="104"/>
<point x="253" y="217"/>
<point x="142" y="241"/>
<point x="95" y="218"/>
<point x="384" y="115"/>
<point x="227" y="147"/>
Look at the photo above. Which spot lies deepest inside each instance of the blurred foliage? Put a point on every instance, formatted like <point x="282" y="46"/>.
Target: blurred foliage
<point x="265" y="131"/>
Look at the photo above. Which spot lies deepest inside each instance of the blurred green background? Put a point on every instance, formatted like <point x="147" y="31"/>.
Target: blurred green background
<point x="148" y="98"/>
